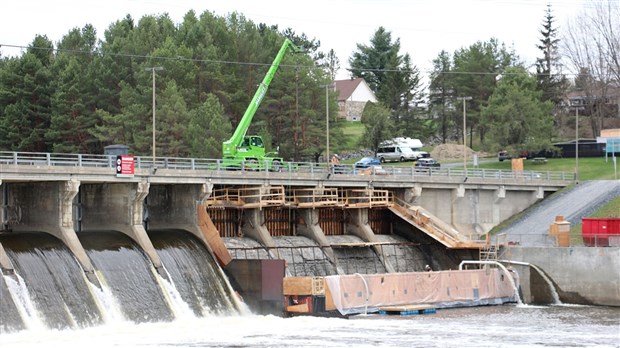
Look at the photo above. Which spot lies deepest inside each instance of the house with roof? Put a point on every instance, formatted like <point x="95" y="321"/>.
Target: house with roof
<point x="353" y="94"/>
<point x="587" y="102"/>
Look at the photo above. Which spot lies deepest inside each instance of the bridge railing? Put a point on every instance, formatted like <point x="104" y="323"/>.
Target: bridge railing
<point x="179" y="163"/>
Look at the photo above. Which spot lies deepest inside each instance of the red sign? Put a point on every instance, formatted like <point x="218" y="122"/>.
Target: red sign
<point x="124" y="165"/>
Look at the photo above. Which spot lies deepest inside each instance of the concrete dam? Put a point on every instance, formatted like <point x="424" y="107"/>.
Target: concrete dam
<point x="79" y="243"/>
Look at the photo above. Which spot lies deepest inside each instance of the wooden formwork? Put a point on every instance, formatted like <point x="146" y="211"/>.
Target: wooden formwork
<point x="228" y="196"/>
<point x="247" y="197"/>
<point x="379" y="220"/>
<point x="332" y="221"/>
<point x="280" y="221"/>
<point x="314" y="197"/>
<point x="366" y="198"/>
<point x="226" y="221"/>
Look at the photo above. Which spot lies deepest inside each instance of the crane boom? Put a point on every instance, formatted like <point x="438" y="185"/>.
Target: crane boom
<point x="239" y="146"/>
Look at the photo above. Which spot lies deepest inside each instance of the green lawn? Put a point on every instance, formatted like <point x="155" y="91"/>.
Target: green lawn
<point x="352" y="132"/>
<point x="590" y="168"/>
<point x="609" y="210"/>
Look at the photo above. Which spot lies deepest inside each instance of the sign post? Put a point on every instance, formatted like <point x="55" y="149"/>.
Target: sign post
<point x="124" y="166"/>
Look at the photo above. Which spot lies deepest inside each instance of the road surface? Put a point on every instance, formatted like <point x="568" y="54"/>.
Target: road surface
<point x="573" y="203"/>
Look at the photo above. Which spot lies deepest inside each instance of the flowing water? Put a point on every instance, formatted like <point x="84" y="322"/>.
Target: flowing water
<point x="194" y="274"/>
<point x="48" y="303"/>
<point x="128" y="275"/>
<point x="45" y="264"/>
<point x="493" y="326"/>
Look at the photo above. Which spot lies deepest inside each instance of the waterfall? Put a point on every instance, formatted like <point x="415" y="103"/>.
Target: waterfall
<point x="129" y="276"/>
<point x="554" y="293"/>
<point x="56" y="286"/>
<point x="193" y="273"/>
<point x="21" y="297"/>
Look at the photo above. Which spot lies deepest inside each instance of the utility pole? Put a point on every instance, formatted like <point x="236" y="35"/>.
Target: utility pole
<point x="153" y="69"/>
<point x="577" y="144"/>
<point x="464" y="133"/>
<point x="327" y="120"/>
<point x="327" y="156"/>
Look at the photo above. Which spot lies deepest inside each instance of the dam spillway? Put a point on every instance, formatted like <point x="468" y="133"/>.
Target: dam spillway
<point x="320" y="225"/>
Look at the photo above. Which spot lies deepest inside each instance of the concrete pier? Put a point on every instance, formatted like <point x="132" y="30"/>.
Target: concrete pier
<point x="180" y="207"/>
<point x="48" y="207"/>
<point x="360" y="228"/>
<point x="118" y="207"/>
<point x="312" y="230"/>
<point x="5" y="263"/>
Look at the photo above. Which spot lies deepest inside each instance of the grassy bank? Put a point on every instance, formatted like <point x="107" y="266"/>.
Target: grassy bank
<point x="590" y="168"/>
<point x="609" y="210"/>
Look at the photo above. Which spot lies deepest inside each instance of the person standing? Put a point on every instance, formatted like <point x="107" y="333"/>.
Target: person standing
<point x="335" y="161"/>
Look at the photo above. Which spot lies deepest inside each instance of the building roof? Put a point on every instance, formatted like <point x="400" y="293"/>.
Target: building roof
<point x="347" y="87"/>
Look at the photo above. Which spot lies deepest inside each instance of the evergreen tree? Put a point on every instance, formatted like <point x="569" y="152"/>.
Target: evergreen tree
<point x="517" y="119"/>
<point x="476" y="69"/>
<point x="411" y="96"/>
<point x="441" y="96"/>
<point x="93" y="94"/>
<point x="550" y="83"/>
<point x="208" y="129"/>
<point x="26" y="99"/>
<point x="392" y="77"/>
<point x="75" y="93"/>
<point x="332" y="63"/>
<point x="171" y="123"/>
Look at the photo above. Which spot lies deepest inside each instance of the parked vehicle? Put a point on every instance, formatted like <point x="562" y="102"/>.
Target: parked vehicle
<point x="376" y="170"/>
<point x="427" y="163"/>
<point x="366" y="162"/>
<point x="369" y="166"/>
<point x="503" y="155"/>
<point x="414" y="144"/>
<point x="393" y="153"/>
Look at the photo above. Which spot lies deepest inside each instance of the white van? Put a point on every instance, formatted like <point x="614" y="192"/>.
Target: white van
<point x="405" y="142"/>
<point x="395" y="153"/>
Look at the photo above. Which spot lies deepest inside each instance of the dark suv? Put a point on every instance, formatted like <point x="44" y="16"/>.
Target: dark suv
<point x="503" y="155"/>
<point x="427" y="163"/>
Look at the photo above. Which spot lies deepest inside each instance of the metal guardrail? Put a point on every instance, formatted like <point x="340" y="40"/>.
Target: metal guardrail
<point x="178" y="163"/>
<point x="568" y="240"/>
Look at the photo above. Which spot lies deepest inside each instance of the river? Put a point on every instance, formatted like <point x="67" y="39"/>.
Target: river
<point x="491" y="326"/>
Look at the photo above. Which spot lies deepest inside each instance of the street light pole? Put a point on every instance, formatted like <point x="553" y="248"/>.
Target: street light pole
<point x="327" y="120"/>
<point x="327" y="87"/>
<point x="577" y="144"/>
<point x="153" y="69"/>
<point x="464" y="133"/>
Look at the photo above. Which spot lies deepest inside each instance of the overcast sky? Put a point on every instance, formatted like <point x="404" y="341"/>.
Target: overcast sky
<point x="424" y="27"/>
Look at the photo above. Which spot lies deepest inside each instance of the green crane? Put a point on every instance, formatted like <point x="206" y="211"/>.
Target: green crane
<point x="250" y="148"/>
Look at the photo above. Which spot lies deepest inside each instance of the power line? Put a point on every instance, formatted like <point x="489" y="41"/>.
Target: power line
<point x="214" y="61"/>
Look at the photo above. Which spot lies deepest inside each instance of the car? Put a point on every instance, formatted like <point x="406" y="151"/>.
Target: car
<point x="427" y="163"/>
<point x="503" y="155"/>
<point x="366" y="162"/>
<point x="395" y="154"/>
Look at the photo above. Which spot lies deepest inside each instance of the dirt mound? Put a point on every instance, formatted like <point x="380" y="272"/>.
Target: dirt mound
<point x="452" y="151"/>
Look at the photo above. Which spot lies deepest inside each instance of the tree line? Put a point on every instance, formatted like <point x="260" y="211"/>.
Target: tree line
<point x="508" y="106"/>
<point x="82" y="94"/>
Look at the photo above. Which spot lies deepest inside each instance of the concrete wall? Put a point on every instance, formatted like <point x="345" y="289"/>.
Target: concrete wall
<point x="581" y="275"/>
<point x="475" y="210"/>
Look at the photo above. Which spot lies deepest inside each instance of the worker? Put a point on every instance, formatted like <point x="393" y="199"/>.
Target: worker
<point x="428" y="268"/>
<point x="334" y="164"/>
<point x="335" y="161"/>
